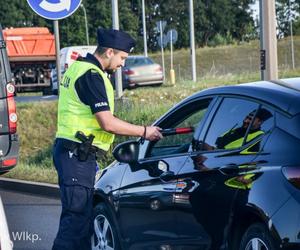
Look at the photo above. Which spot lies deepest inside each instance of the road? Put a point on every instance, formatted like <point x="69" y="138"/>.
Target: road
<point x="35" y="98"/>
<point x="32" y="220"/>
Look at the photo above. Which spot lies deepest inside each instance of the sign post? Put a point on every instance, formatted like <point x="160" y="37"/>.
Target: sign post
<point x="144" y="29"/>
<point x="192" y="40"/>
<point x="172" y="38"/>
<point x="269" y="59"/>
<point x="162" y="42"/>
<point x="118" y="73"/>
<point x="57" y="52"/>
<point x="162" y="49"/>
<point x="55" y="12"/>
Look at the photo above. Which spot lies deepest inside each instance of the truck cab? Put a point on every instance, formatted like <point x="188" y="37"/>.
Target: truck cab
<point x="9" y="144"/>
<point x="31" y="53"/>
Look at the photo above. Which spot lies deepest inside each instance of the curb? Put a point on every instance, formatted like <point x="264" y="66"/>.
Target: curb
<point x="36" y="188"/>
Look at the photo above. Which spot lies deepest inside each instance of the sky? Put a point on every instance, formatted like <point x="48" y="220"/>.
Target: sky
<point x="255" y="8"/>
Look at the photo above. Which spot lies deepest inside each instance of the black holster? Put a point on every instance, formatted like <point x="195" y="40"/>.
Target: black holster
<point x="85" y="147"/>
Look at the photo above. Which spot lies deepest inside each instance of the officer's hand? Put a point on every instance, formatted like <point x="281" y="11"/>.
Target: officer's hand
<point x="153" y="133"/>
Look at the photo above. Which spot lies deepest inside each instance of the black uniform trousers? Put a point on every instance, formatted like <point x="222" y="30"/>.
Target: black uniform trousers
<point x="76" y="181"/>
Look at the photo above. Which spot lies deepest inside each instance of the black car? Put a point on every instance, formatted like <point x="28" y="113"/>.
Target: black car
<point x="9" y="145"/>
<point x="226" y="175"/>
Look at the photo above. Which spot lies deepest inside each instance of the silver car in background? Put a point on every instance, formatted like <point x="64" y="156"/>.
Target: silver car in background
<point x="140" y="71"/>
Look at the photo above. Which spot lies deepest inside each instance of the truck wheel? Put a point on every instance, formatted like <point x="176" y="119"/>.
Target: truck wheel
<point x="257" y="237"/>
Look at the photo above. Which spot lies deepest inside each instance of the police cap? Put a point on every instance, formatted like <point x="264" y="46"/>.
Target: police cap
<point x="261" y="114"/>
<point x="115" y="39"/>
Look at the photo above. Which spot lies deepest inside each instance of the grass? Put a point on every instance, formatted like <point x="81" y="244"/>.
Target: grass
<point x="36" y="129"/>
<point x="235" y="59"/>
<point x="37" y="121"/>
<point x="33" y="172"/>
<point x="29" y="94"/>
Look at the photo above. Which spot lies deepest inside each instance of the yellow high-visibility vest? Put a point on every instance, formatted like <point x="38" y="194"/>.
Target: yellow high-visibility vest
<point x="73" y="115"/>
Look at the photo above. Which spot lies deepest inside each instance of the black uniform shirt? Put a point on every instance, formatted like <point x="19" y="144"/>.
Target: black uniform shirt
<point x="90" y="87"/>
<point x="234" y="135"/>
<point x="230" y="136"/>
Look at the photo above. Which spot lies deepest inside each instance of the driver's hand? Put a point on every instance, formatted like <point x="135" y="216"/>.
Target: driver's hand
<point x="153" y="133"/>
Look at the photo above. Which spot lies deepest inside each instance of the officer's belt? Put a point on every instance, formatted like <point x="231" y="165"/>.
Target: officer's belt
<point x="73" y="146"/>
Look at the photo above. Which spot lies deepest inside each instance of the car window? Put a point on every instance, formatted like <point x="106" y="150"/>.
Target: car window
<point x="137" y="61"/>
<point x="237" y="122"/>
<point x="187" y="118"/>
<point x="266" y="116"/>
<point x="148" y="61"/>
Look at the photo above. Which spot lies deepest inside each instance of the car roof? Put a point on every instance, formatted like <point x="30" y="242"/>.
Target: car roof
<point x="80" y="48"/>
<point x="284" y="94"/>
<point x="137" y="56"/>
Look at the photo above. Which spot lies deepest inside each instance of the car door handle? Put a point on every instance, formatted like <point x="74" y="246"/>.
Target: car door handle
<point x="167" y="175"/>
<point x="237" y="169"/>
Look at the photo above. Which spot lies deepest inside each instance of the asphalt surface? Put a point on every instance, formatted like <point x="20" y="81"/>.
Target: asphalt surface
<point x="35" y="98"/>
<point x="32" y="219"/>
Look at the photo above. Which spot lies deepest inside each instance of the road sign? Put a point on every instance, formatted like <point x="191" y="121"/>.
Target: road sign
<point x="162" y="25"/>
<point x="164" y="41"/>
<point x="54" y="9"/>
<point x="172" y="36"/>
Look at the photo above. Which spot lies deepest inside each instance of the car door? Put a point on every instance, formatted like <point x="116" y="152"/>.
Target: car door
<point x="8" y="118"/>
<point x="213" y="177"/>
<point x="4" y="129"/>
<point x="147" y="218"/>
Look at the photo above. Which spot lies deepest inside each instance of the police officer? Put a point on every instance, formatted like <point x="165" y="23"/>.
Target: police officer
<point x="234" y="137"/>
<point x="86" y="104"/>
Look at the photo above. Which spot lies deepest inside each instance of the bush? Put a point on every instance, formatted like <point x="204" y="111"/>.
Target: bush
<point x="220" y="40"/>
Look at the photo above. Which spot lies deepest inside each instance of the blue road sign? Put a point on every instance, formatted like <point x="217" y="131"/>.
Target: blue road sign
<point x="54" y="9"/>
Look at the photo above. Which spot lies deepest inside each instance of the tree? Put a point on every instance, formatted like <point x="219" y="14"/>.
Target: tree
<point x="286" y="10"/>
<point x="15" y="13"/>
<point x="223" y="18"/>
<point x="211" y="17"/>
<point x="243" y="27"/>
<point x="297" y="26"/>
<point x="100" y="15"/>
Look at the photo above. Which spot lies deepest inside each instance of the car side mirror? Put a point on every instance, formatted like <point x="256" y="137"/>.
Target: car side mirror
<point x="127" y="152"/>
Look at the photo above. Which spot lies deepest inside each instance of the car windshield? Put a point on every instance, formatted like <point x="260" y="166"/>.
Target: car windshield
<point x="137" y="61"/>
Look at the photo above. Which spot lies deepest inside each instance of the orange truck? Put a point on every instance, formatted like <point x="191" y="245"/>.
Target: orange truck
<point x="31" y="53"/>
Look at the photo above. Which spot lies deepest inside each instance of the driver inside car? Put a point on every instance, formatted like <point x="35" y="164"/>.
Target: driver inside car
<point x="234" y="138"/>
